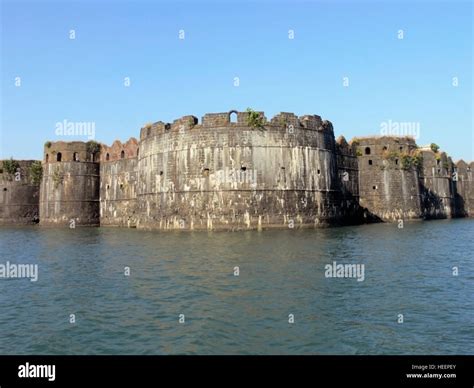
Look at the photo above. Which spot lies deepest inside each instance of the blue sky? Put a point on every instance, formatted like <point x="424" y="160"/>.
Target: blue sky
<point x="407" y="80"/>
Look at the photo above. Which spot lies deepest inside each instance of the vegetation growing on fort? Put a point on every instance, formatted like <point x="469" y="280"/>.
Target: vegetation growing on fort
<point x="36" y="172"/>
<point x="254" y="119"/>
<point x="57" y="177"/>
<point x="92" y="147"/>
<point x="10" y="166"/>
<point x="48" y="144"/>
<point x="407" y="160"/>
<point x="413" y="160"/>
<point x="434" y="147"/>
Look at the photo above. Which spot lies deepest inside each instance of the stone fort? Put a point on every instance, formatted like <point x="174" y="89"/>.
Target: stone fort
<point x="228" y="172"/>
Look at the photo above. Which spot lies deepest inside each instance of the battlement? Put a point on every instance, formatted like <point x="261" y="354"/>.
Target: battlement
<point x="234" y="119"/>
<point x="463" y="167"/>
<point x="383" y="145"/>
<point x="342" y="146"/>
<point x="119" y="150"/>
<point x="72" y="151"/>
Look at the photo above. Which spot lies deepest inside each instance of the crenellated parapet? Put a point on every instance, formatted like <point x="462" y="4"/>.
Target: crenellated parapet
<point x="119" y="150"/>
<point x="233" y="120"/>
<point x="72" y="151"/>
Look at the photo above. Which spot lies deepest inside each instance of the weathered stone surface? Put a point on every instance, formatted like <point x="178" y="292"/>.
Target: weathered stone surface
<point x="19" y="195"/>
<point x="388" y="190"/>
<point x="118" y="182"/>
<point x="232" y="173"/>
<point x="70" y="185"/>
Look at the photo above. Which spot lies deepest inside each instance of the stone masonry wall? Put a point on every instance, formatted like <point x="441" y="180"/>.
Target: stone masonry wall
<point x="348" y="173"/>
<point x="389" y="189"/>
<point x="118" y="181"/>
<point x="225" y="175"/>
<point x="19" y="195"/>
<point x="70" y="185"/>
<point x="437" y="189"/>
<point x="227" y="172"/>
<point x="464" y="197"/>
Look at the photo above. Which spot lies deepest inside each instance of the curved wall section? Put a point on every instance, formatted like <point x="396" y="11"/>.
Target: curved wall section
<point x="223" y="175"/>
<point x="70" y="185"/>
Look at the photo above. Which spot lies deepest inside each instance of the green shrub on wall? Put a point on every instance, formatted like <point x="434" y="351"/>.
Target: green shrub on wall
<point x="254" y="119"/>
<point x="10" y="166"/>
<point x="92" y="147"/>
<point x="434" y="147"/>
<point x="36" y="172"/>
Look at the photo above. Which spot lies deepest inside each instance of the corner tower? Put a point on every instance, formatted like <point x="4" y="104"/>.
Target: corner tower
<point x="69" y="191"/>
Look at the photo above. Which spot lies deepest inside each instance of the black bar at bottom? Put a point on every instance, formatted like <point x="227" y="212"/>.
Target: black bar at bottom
<point x="428" y="371"/>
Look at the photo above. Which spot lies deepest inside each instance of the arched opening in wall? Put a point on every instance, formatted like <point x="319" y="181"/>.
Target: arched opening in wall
<point x="47" y="158"/>
<point x="401" y="148"/>
<point x="384" y="148"/>
<point x="75" y="157"/>
<point x="205" y="172"/>
<point x="107" y="156"/>
<point x="122" y="154"/>
<point x="438" y="162"/>
<point x="367" y="150"/>
<point x="396" y="161"/>
<point x="370" y="162"/>
<point x="243" y="168"/>
<point x="232" y="116"/>
<point x="319" y="172"/>
<point x="59" y="156"/>
<point x="148" y="131"/>
<point x="374" y="187"/>
<point x="138" y="151"/>
<point x="4" y="189"/>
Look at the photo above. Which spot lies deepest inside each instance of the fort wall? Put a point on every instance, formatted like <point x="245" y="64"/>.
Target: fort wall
<point x="464" y="195"/>
<point x="118" y="182"/>
<point x="437" y="189"/>
<point x="228" y="175"/>
<point x="19" y="193"/>
<point x="69" y="192"/>
<point x="237" y="171"/>
<point x="388" y="177"/>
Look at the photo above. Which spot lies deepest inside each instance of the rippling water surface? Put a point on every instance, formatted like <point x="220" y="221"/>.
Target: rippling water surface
<point x="407" y="271"/>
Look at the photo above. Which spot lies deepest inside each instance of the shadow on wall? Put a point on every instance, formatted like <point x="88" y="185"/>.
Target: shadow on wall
<point x="435" y="207"/>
